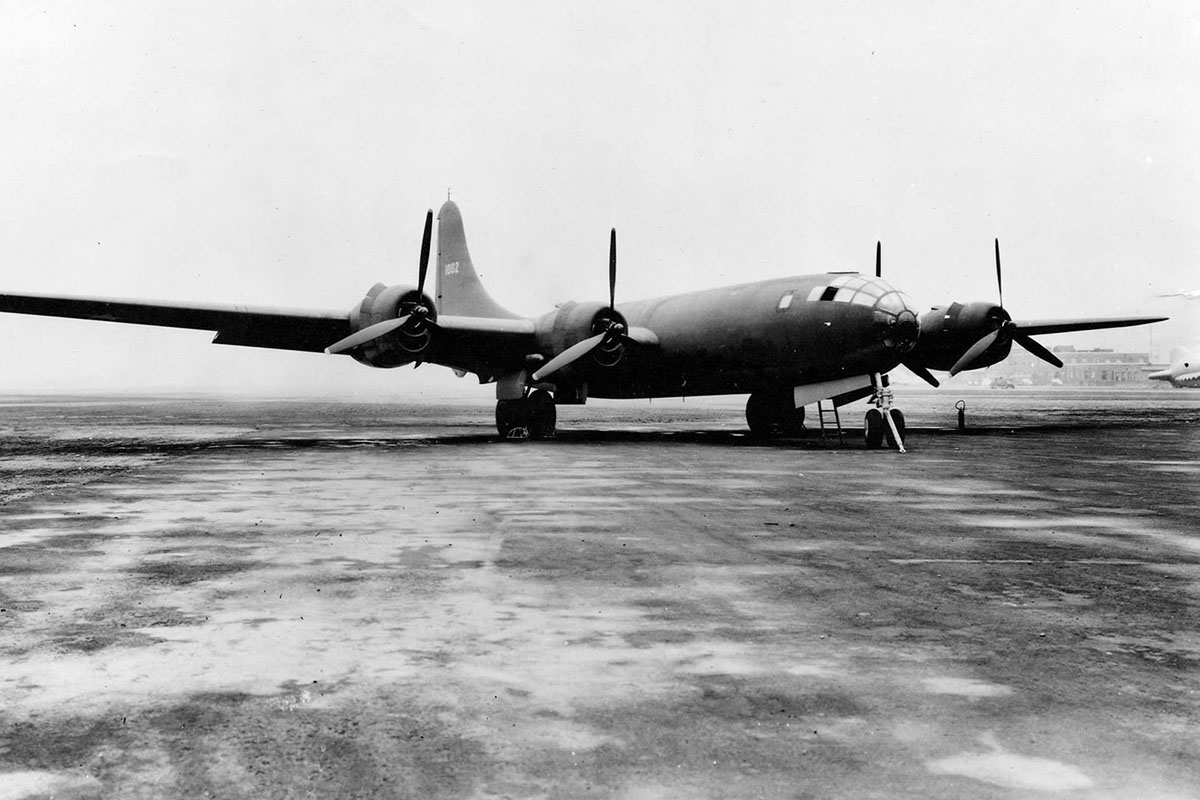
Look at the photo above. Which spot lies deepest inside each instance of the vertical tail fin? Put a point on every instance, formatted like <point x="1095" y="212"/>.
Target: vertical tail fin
<point x="459" y="291"/>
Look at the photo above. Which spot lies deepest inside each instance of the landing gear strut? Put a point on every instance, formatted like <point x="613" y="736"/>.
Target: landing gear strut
<point x="530" y="417"/>
<point x="884" y="421"/>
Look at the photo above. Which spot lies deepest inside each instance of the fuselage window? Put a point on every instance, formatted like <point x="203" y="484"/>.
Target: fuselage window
<point x="785" y="302"/>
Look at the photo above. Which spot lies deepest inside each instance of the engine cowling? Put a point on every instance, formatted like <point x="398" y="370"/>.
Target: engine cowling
<point x="403" y="345"/>
<point x="947" y="332"/>
<point x="573" y="322"/>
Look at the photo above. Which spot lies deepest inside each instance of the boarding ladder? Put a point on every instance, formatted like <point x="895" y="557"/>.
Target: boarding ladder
<point x="823" y="414"/>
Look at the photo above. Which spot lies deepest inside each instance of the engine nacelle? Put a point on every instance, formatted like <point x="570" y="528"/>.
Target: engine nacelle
<point x="947" y="333"/>
<point x="403" y="345"/>
<point x="573" y="322"/>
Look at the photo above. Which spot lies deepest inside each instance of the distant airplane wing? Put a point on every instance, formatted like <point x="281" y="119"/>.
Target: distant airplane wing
<point x="1036" y="327"/>
<point x="277" y="328"/>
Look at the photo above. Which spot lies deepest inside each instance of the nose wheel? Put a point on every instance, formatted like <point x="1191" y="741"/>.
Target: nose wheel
<point x="884" y="422"/>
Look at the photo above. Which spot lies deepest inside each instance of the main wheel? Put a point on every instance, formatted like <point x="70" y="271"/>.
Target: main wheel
<point x="510" y="415"/>
<point x="897" y="418"/>
<point x="543" y="417"/>
<point x="774" y="414"/>
<point x="873" y="426"/>
<point x="758" y="415"/>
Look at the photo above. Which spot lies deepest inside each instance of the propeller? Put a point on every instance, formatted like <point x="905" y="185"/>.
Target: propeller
<point x="918" y="369"/>
<point x="999" y="280"/>
<point x="418" y="312"/>
<point x="367" y="334"/>
<point x="1006" y="332"/>
<point x="612" y="331"/>
<point x="426" y="240"/>
<point x="612" y="270"/>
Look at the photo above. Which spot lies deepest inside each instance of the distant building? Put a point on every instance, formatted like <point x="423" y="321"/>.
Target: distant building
<point x="1099" y="367"/>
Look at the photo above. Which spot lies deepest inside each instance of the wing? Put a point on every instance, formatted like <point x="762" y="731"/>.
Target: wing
<point x="1036" y="327"/>
<point x="486" y="346"/>
<point x="277" y="328"/>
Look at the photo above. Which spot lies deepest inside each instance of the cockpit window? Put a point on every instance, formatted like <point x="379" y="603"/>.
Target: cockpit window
<point x="785" y="302"/>
<point x="862" y="291"/>
<point x="862" y="299"/>
<point x="894" y="302"/>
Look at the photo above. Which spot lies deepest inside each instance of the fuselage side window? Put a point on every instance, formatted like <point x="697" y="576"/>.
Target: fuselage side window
<point x="785" y="302"/>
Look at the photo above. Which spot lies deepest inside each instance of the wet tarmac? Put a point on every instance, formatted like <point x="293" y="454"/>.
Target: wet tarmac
<point x="291" y="599"/>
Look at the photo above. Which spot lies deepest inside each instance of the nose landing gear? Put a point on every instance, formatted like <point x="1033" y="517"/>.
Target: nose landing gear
<point x="883" y="421"/>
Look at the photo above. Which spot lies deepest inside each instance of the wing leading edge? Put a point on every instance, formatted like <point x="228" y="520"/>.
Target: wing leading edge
<point x="480" y="343"/>
<point x="1037" y="327"/>
<point x="248" y="326"/>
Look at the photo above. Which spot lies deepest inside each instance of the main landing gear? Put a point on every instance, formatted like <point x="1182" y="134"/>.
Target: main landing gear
<point x="774" y="414"/>
<point x="530" y="417"/>
<point x="883" y="422"/>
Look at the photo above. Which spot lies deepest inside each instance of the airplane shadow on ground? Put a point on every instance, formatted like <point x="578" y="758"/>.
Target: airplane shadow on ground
<point x="457" y="436"/>
<point x="852" y="439"/>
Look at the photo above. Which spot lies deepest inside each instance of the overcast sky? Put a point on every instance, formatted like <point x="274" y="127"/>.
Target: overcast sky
<point x="277" y="153"/>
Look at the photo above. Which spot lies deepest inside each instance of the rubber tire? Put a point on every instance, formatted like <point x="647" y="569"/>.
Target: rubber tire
<point x="873" y="426"/>
<point x="542" y="415"/>
<point x="770" y="415"/>
<point x="898" y="418"/>
<point x="510" y="414"/>
<point x="758" y="415"/>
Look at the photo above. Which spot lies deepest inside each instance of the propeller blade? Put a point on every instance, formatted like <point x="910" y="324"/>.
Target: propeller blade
<point x="425" y="241"/>
<point x="879" y="259"/>
<point x="570" y="355"/>
<point x="999" y="283"/>
<point x="612" y="269"/>
<point x="367" y="334"/>
<point x="1035" y="348"/>
<point x="922" y="373"/>
<point x="974" y="353"/>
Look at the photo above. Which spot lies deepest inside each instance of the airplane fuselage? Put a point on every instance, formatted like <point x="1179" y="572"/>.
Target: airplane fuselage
<point x="743" y="338"/>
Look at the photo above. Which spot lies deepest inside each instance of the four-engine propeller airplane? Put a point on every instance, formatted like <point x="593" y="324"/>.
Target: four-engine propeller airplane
<point x="787" y="342"/>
